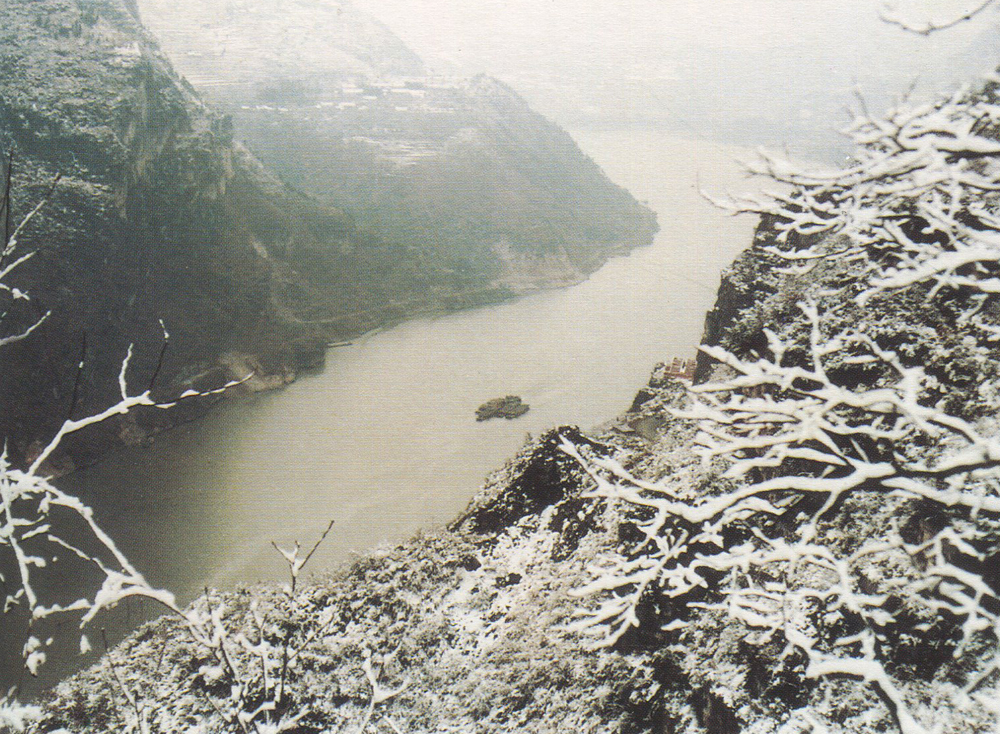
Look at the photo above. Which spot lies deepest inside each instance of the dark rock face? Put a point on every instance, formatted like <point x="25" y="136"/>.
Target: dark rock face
<point x="743" y="285"/>
<point x="536" y="479"/>
<point x="508" y="407"/>
<point x="751" y="292"/>
<point x="643" y="396"/>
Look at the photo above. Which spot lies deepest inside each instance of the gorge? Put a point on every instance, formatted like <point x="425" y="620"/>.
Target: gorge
<point x="161" y="214"/>
<point x="385" y="446"/>
<point x="803" y="541"/>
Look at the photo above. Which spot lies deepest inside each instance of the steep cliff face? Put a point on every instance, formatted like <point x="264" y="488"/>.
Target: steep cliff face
<point x="160" y="214"/>
<point x="454" y="171"/>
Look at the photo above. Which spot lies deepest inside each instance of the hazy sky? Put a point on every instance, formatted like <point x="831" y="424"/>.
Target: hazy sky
<point x="757" y="68"/>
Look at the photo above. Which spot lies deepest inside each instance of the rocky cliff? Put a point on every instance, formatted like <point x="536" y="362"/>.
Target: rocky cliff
<point x="456" y="172"/>
<point x="161" y="214"/>
<point x="145" y="224"/>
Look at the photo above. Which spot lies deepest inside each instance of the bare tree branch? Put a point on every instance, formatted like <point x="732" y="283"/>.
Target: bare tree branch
<point x="892" y="14"/>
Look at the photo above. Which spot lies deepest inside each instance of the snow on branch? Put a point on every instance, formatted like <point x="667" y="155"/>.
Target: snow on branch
<point x="123" y="406"/>
<point x="797" y="446"/>
<point x="12" y="295"/>
<point x="892" y="13"/>
<point x="918" y="204"/>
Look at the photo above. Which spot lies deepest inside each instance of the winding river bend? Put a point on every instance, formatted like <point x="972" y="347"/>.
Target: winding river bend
<point x="384" y="441"/>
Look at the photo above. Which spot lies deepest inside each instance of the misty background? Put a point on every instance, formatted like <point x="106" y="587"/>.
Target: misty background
<point x="766" y="72"/>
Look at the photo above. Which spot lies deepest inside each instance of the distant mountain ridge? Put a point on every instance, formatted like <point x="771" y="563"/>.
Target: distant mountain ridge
<point x="455" y="170"/>
<point x="256" y="46"/>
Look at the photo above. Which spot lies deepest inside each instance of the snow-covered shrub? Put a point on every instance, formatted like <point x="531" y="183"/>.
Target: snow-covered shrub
<point x="852" y="528"/>
<point x="918" y="204"/>
<point x="15" y="716"/>
<point x="775" y="551"/>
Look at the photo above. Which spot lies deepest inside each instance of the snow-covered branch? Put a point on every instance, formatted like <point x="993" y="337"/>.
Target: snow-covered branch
<point x="36" y="518"/>
<point x="11" y="295"/>
<point x="799" y="452"/>
<point x="918" y="205"/>
<point x="965" y="11"/>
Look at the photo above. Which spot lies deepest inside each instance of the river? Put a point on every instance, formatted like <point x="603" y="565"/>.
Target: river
<point x="383" y="441"/>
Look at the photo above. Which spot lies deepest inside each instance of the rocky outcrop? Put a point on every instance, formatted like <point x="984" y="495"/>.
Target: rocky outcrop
<point x="147" y="223"/>
<point x="508" y="407"/>
<point x="538" y="478"/>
